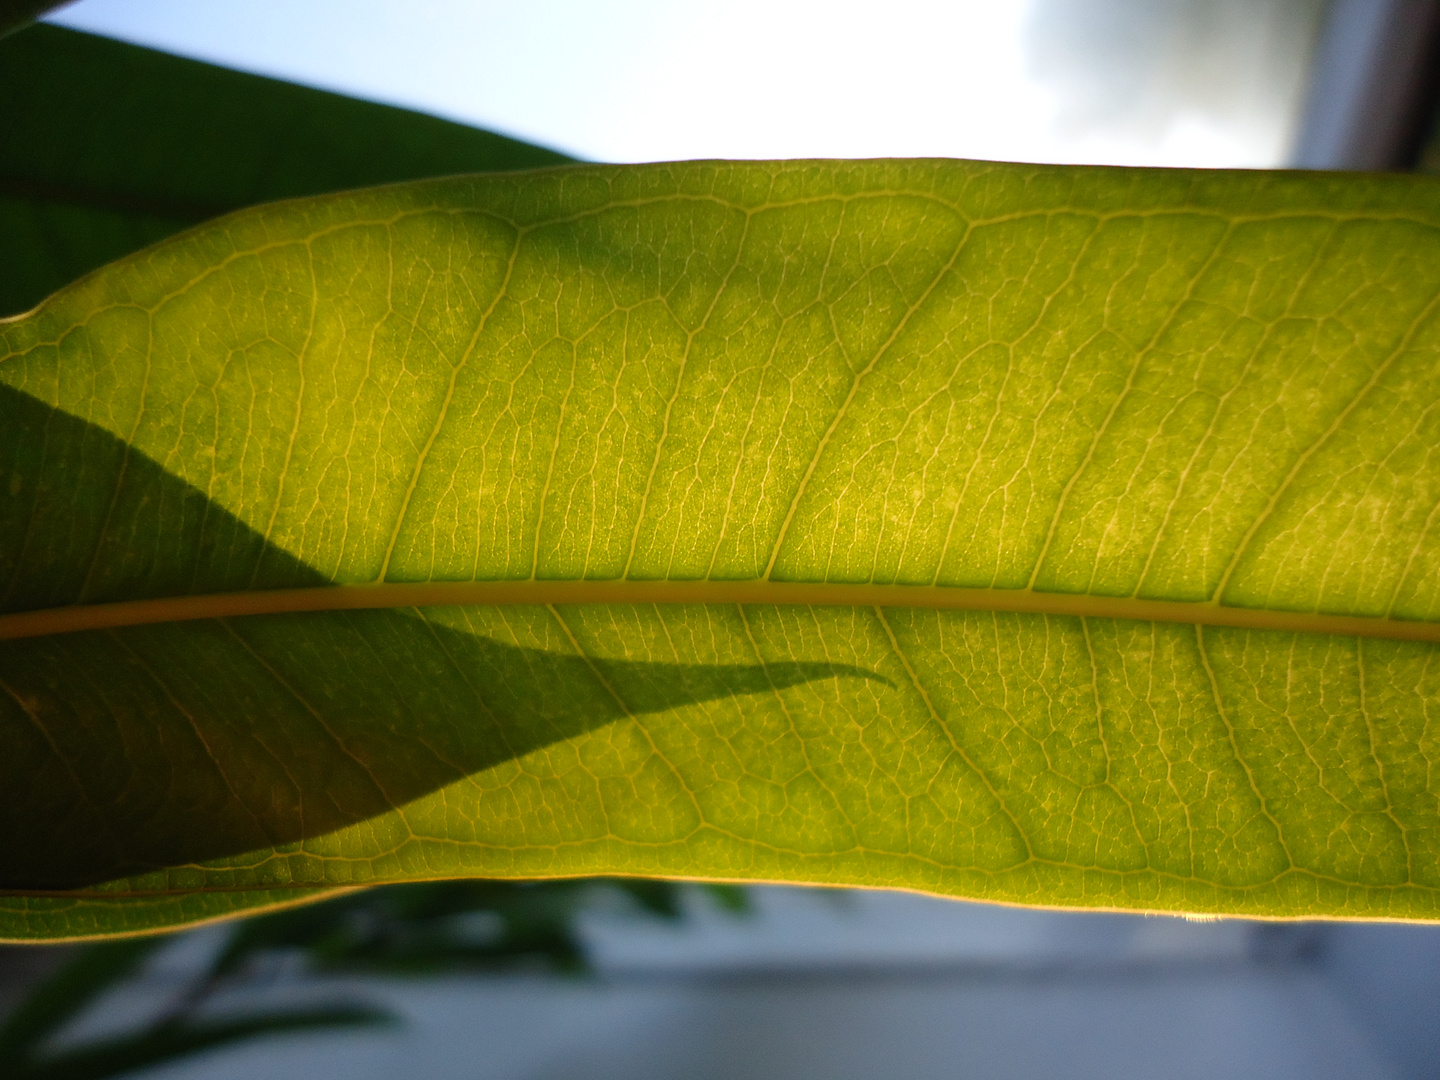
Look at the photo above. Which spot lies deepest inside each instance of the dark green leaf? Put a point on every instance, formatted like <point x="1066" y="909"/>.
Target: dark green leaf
<point x="18" y="14"/>
<point x="106" y="147"/>
<point x="66" y="994"/>
<point x="155" y="1046"/>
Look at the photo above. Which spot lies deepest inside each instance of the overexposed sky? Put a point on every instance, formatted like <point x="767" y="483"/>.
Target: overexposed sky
<point x="651" y="80"/>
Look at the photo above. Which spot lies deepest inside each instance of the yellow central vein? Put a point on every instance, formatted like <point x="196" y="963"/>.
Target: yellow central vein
<point x="62" y="620"/>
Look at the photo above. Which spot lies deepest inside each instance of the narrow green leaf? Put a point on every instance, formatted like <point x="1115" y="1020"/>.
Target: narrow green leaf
<point x="1037" y="534"/>
<point x="106" y="147"/>
<point x="154" y="1046"/>
<point x="68" y="993"/>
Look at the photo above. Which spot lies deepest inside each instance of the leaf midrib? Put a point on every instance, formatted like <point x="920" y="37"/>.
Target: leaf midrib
<point x="101" y="616"/>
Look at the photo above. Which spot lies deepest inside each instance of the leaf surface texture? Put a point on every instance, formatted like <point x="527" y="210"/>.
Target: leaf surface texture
<point x="1205" y="387"/>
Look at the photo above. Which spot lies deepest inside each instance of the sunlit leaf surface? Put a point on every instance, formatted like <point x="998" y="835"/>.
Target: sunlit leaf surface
<point x="1213" y="393"/>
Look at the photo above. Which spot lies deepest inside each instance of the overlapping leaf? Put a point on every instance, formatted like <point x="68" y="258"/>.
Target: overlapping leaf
<point x="1214" y="388"/>
<point x="106" y="147"/>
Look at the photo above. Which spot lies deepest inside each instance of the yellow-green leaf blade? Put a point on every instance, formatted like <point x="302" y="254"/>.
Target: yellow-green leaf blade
<point x="1210" y="388"/>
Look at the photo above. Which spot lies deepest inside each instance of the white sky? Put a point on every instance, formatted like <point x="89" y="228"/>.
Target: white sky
<point x="651" y="80"/>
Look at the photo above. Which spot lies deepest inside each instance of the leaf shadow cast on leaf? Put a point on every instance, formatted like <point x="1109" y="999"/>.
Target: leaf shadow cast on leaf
<point x="164" y="746"/>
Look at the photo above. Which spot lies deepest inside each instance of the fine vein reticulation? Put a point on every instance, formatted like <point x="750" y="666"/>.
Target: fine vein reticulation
<point x="1048" y="535"/>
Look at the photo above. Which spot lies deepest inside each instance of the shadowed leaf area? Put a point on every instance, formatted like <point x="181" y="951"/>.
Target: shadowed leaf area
<point x="160" y="746"/>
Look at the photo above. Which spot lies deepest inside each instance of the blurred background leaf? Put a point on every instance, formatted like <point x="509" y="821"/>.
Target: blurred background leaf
<point x="106" y="147"/>
<point x="403" y="930"/>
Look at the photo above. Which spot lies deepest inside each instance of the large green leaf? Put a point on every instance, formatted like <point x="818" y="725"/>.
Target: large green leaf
<point x="106" y="147"/>
<point x="1037" y="534"/>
